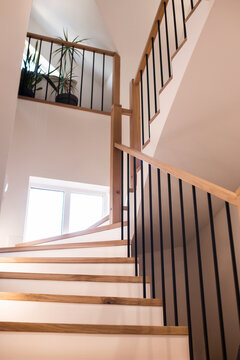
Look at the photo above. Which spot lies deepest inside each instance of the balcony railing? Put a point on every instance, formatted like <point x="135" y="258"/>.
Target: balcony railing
<point x="69" y="73"/>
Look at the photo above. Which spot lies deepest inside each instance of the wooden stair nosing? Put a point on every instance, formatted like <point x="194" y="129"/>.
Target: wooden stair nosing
<point x="68" y="260"/>
<point x="192" y="11"/>
<point x="79" y="299"/>
<point x="71" y="235"/>
<point x="165" y="85"/>
<point x="86" y="244"/>
<point x="72" y="277"/>
<point x="92" y="328"/>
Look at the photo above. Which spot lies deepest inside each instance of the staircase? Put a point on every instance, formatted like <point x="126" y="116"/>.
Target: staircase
<point x="79" y="298"/>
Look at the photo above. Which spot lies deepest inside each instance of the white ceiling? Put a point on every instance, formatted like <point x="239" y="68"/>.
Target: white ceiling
<point x="81" y="17"/>
<point x="129" y="22"/>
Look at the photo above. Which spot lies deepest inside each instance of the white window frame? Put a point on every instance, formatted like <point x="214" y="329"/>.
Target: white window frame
<point x="68" y="188"/>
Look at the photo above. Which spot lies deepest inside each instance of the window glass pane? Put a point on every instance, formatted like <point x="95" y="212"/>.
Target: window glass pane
<point x="45" y="212"/>
<point x="85" y="210"/>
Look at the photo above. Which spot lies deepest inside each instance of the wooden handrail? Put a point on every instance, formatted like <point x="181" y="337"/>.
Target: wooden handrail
<point x="99" y="222"/>
<point x="71" y="44"/>
<point x="204" y="185"/>
<point x="70" y="235"/>
<point x="152" y="34"/>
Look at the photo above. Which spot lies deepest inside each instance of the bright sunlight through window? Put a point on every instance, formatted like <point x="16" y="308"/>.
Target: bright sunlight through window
<point x="56" y="207"/>
<point x="85" y="210"/>
<point x="45" y="213"/>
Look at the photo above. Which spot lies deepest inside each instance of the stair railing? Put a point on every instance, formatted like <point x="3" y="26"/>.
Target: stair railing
<point x="168" y="34"/>
<point x="185" y="206"/>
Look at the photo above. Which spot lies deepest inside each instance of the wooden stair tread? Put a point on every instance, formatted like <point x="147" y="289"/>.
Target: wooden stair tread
<point x="79" y="299"/>
<point x="70" y="235"/>
<point x="93" y="328"/>
<point x="69" y="260"/>
<point x="72" y="277"/>
<point x="87" y="244"/>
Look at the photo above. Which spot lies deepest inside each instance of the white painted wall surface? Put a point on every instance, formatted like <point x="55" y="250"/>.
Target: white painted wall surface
<point x="14" y="17"/>
<point x="53" y="142"/>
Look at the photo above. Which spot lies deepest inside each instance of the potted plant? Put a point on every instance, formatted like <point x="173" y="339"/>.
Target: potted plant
<point x="32" y="75"/>
<point x="66" y="80"/>
<point x="67" y="86"/>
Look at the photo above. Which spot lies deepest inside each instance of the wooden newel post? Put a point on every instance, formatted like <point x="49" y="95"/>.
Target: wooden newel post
<point x="115" y="164"/>
<point x="135" y="124"/>
<point x="115" y="154"/>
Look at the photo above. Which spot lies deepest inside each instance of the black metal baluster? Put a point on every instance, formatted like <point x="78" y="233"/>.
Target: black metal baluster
<point x="36" y="67"/>
<point x="103" y="73"/>
<point x="148" y="96"/>
<point x="135" y="216"/>
<point x="49" y="64"/>
<point x="161" y="248"/>
<point x="160" y="53"/>
<point x="175" y="24"/>
<point x="200" y="273"/>
<point x="186" y="270"/>
<point x="172" y="250"/>
<point x="143" y="233"/>
<point x="183" y="17"/>
<point x="151" y="230"/>
<point x="60" y="71"/>
<point x="167" y="40"/>
<point x="81" y="86"/>
<point x="70" y="80"/>
<point x="215" y="260"/>
<point x="154" y="76"/>
<point x="233" y="256"/>
<point x="122" y="163"/>
<point x="128" y="209"/>
<point x="142" y="109"/>
<point x="192" y="6"/>
<point x="93" y="66"/>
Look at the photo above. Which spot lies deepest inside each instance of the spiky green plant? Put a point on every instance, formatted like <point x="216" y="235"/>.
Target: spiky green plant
<point x="30" y="79"/>
<point x="67" y="55"/>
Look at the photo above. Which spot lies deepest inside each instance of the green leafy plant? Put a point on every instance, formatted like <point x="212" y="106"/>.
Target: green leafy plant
<point x="32" y="75"/>
<point x="67" y="56"/>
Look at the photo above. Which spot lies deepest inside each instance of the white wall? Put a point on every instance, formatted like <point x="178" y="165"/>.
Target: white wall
<point x="53" y="142"/>
<point x="14" y="17"/>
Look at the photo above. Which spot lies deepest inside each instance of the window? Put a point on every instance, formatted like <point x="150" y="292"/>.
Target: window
<point x="85" y="210"/>
<point x="56" y="207"/>
<point x="42" y="60"/>
<point x="45" y="213"/>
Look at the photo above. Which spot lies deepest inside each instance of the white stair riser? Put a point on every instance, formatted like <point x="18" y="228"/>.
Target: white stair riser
<point x="90" y="269"/>
<point x="111" y="251"/>
<point x="28" y="311"/>
<point x="113" y="234"/>
<point x="37" y="346"/>
<point x="73" y="287"/>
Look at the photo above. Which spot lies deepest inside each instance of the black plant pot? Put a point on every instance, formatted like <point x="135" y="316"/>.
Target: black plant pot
<point x="69" y="99"/>
<point x="25" y="92"/>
